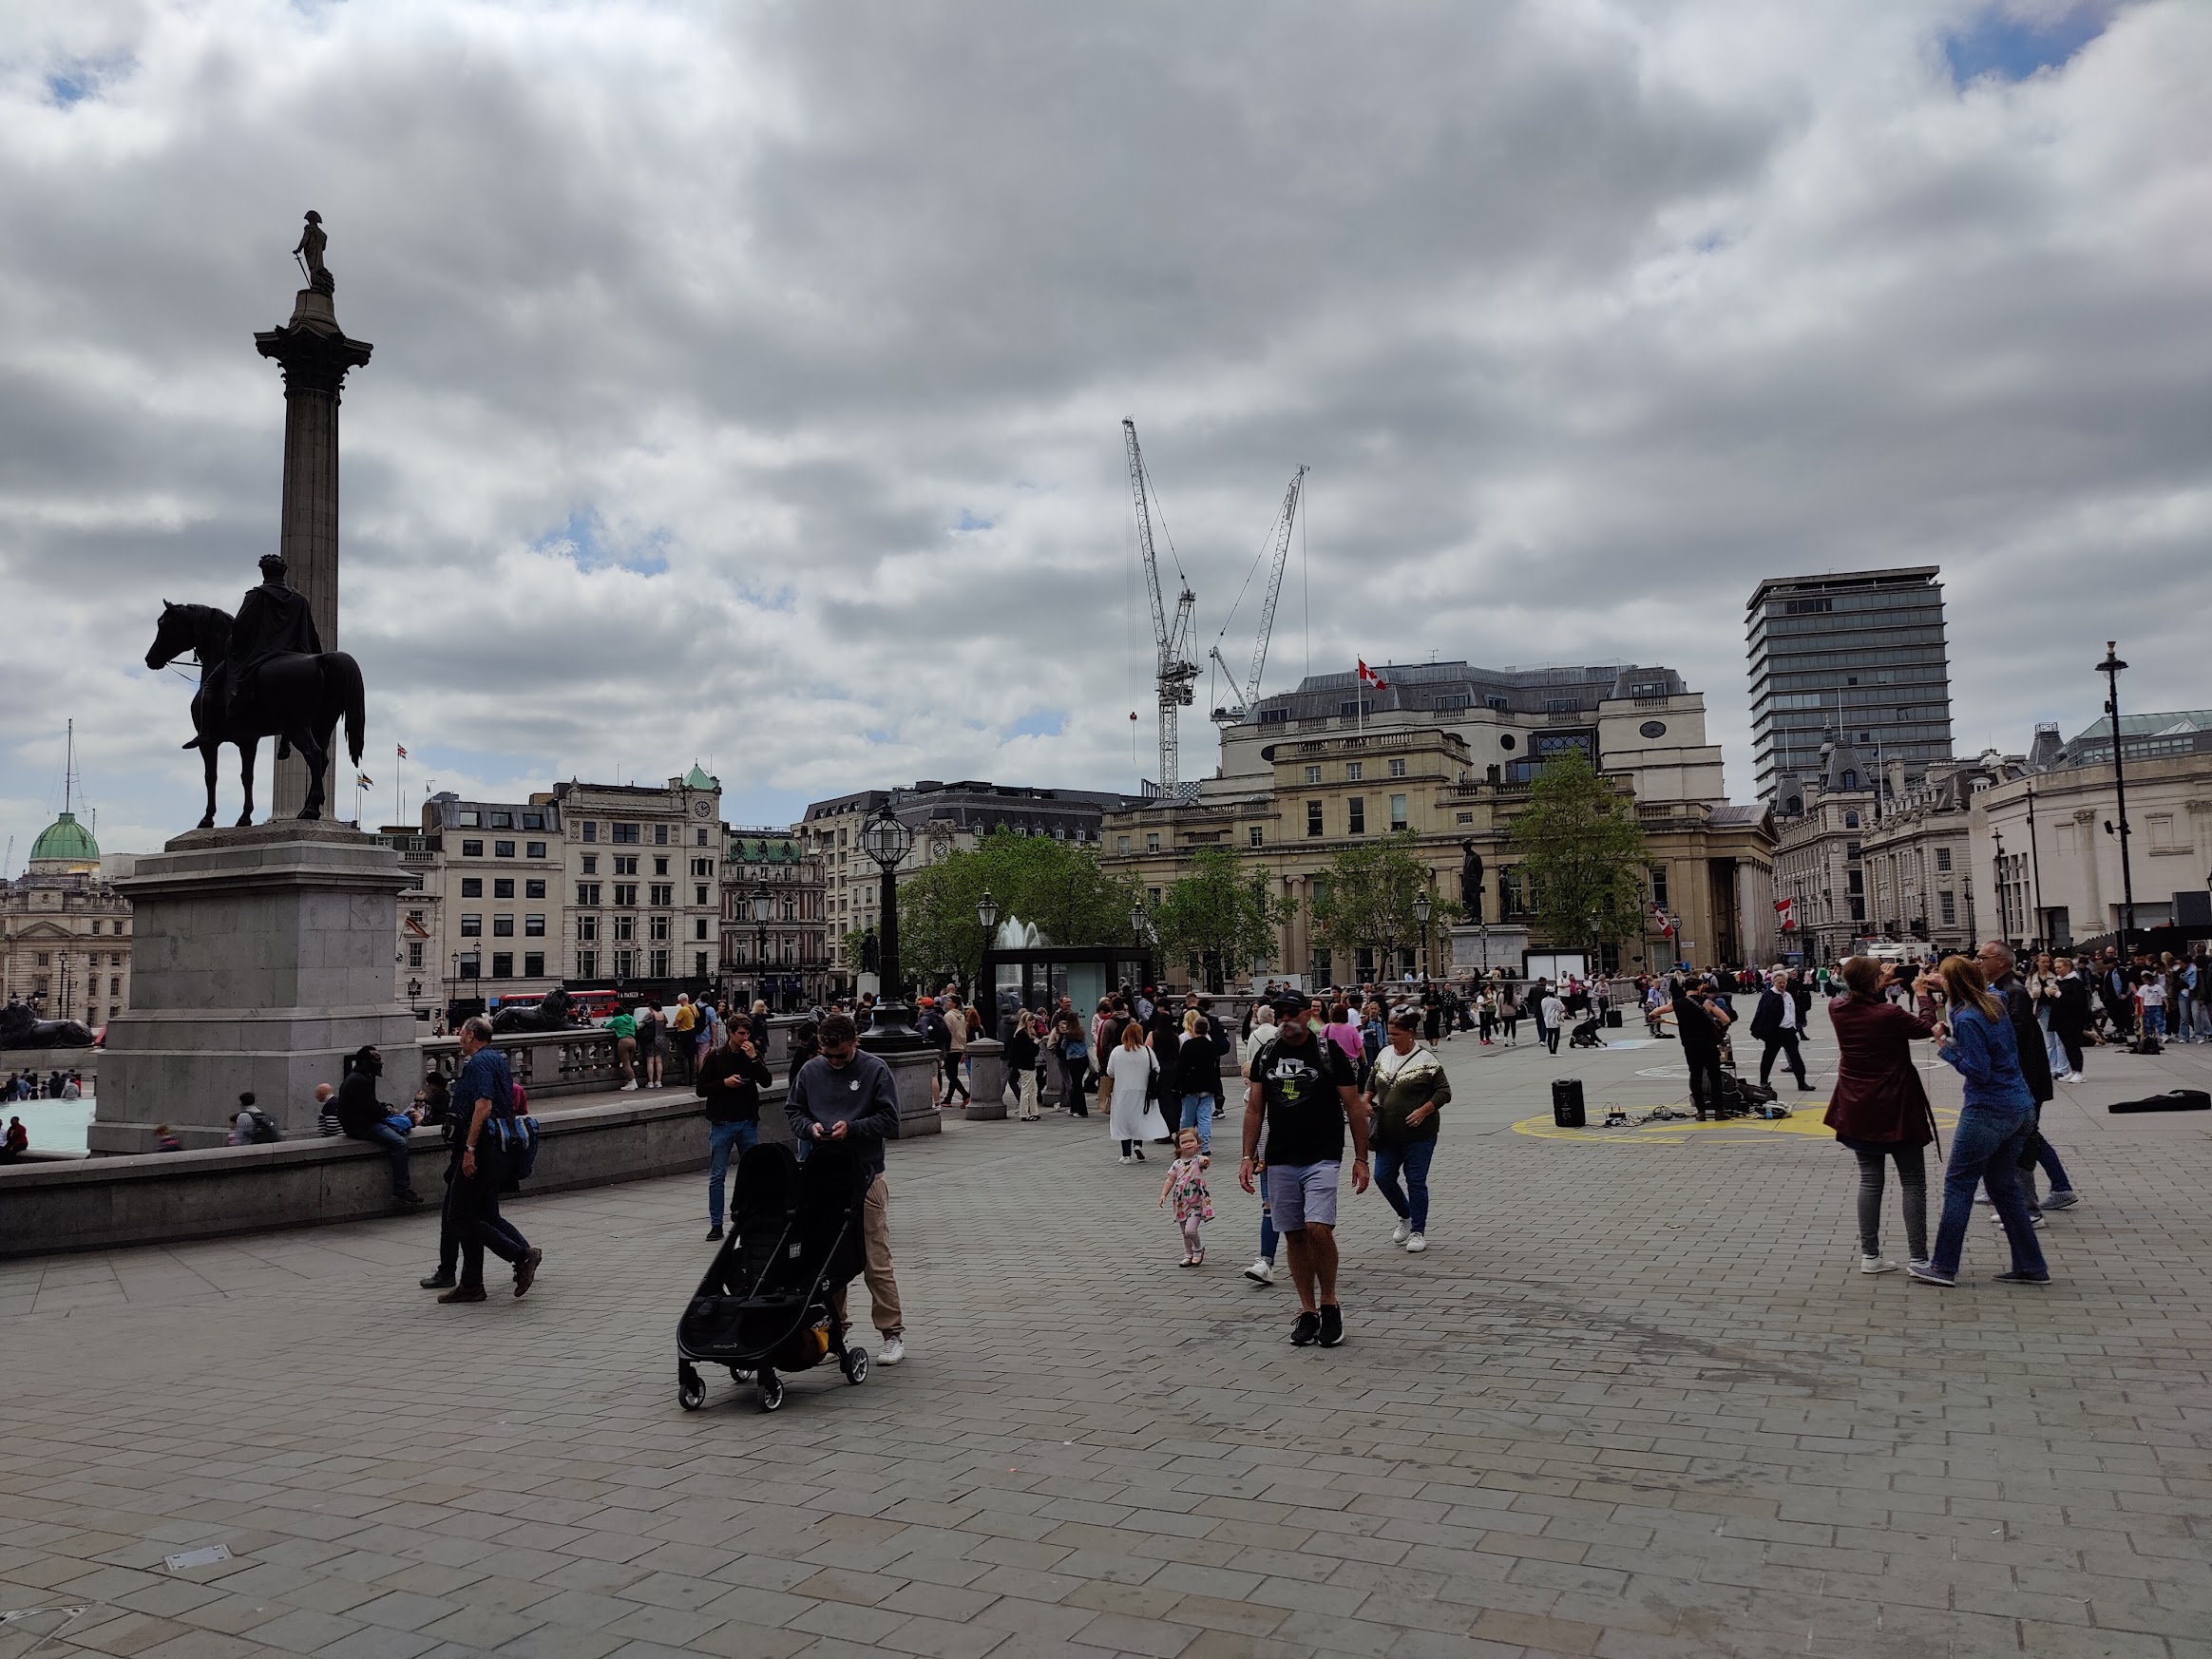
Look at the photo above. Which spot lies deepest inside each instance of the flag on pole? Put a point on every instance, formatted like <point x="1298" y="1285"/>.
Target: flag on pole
<point x="363" y="781"/>
<point x="1368" y="677"/>
<point x="1667" y="928"/>
<point x="1786" y="908"/>
<point x="402" y="747"/>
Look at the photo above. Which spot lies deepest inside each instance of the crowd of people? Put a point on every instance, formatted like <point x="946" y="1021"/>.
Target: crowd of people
<point x="53" y="1086"/>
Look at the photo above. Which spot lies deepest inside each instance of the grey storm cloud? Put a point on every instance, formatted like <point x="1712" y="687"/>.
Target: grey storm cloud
<point x="747" y="379"/>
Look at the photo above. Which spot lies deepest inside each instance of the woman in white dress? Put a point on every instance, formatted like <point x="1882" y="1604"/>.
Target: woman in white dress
<point x="1131" y="1066"/>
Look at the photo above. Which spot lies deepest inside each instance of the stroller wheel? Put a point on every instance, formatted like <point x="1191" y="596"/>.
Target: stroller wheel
<point x="856" y="1366"/>
<point x="691" y="1392"/>
<point x="771" y="1394"/>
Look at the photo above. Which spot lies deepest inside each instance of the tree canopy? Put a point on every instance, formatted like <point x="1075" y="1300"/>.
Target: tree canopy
<point x="1218" y="920"/>
<point x="1366" y="897"/>
<point x="1582" y="853"/>
<point x="1055" y="885"/>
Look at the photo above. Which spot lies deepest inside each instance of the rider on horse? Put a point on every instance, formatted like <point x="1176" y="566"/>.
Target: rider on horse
<point x="271" y="619"/>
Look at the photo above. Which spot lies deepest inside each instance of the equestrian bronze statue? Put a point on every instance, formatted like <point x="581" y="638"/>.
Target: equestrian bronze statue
<point x="263" y="674"/>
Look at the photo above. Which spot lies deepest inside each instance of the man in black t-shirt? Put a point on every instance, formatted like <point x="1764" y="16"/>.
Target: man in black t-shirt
<point x="1301" y="1089"/>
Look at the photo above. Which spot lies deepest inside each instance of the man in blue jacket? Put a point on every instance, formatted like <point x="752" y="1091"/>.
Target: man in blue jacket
<point x="845" y="1094"/>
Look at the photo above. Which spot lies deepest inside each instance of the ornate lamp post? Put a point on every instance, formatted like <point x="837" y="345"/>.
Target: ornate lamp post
<point x="2111" y="669"/>
<point x="987" y="991"/>
<point x="1424" y="907"/>
<point x="2004" y="898"/>
<point x="887" y="841"/>
<point x="763" y="903"/>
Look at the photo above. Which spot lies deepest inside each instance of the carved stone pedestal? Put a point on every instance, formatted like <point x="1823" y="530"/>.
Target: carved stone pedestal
<point x="261" y="959"/>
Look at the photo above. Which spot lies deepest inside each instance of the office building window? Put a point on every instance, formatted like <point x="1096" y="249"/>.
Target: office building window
<point x="591" y="864"/>
<point x="502" y="964"/>
<point x="588" y="927"/>
<point x="1313" y="774"/>
<point x="587" y="892"/>
<point x="587" y="965"/>
<point x="663" y="892"/>
<point x="590" y="830"/>
<point x="501" y="821"/>
<point x="626" y="866"/>
<point x="503" y="850"/>
<point x="533" y="926"/>
<point x="699" y="964"/>
<point x="471" y="965"/>
<point x="660" y="839"/>
<point x="472" y="849"/>
<point x="1313" y="817"/>
<point x="625" y="927"/>
<point x="1257" y="834"/>
<point x="534" y="889"/>
<point x="470" y="818"/>
<point x="702" y="838"/>
<point x="471" y="926"/>
<point x="625" y="835"/>
<point x="1355" y="771"/>
<point x="533" y="965"/>
<point x="660" y="964"/>
<point x="626" y="895"/>
<point x="502" y="926"/>
<point x="699" y="928"/>
<point x="1151" y="843"/>
<point x="504" y="887"/>
<point x="1121" y="843"/>
<point x="702" y="867"/>
<point x="533" y="849"/>
<point x="1355" y="815"/>
<point x="1943" y="858"/>
<point x="699" y="893"/>
<point x="1397" y="818"/>
<point x="1659" y="886"/>
<point x="534" y="821"/>
<point x="1398" y="769"/>
<point x="658" y="927"/>
<point x="660" y="867"/>
<point x="626" y="963"/>
<point x="1949" y="902"/>
<point x="472" y="886"/>
<point x="415" y="955"/>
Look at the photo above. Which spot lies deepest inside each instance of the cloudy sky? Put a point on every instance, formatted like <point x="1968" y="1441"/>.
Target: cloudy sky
<point x="748" y="378"/>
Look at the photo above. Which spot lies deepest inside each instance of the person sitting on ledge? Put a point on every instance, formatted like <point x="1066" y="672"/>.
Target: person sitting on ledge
<point x="364" y="1118"/>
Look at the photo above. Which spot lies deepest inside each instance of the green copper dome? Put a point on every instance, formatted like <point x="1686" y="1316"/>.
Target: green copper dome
<point x="66" y="840"/>
<point x="698" y="779"/>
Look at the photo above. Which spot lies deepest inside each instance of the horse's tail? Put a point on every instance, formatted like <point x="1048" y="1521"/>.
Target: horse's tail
<point x="348" y="673"/>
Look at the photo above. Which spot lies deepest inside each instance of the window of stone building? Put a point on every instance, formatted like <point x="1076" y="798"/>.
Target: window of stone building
<point x="504" y="887"/>
<point x="590" y="830"/>
<point x="660" y="964"/>
<point x="533" y="849"/>
<point x="534" y="927"/>
<point x="587" y="965"/>
<point x="1313" y="774"/>
<point x="588" y="927"/>
<point x="115" y="961"/>
<point x="626" y="963"/>
<point x="660" y="867"/>
<point x="625" y="835"/>
<point x="1257" y="834"/>
<point x="625" y="927"/>
<point x="1152" y="842"/>
<point x="415" y="955"/>
<point x="469" y="818"/>
<point x="471" y="926"/>
<point x="660" y="835"/>
<point x="587" y="892"/>
<point x="533" y="965"/>
<point x="1312" y="818"/>
<point x="663" y="892"/>
<point x="1398" y="817"/>
<point x="502" y="964"/>
<point x="472" y="849"/>
<point x="1355" y="815"/>
<point x="1121" y="843"/>
<point x="472" y="886"/>
<point x="534" y="888"/>
<point x="657" y="927"/>
<point x="503" y="850"/>
<point x="471" y="965"/>
<point x="626" y="895"/>
<point x="502" y="926"/>
<point x="534" y="821"/>
<point x="1398" y="769"/>
<point x="1355" y="771"/>
<point x="699" y="928"/>
<point x="1943" y="858"/>
<point x="1949" y="902"/>
<point x="501" y="821"/>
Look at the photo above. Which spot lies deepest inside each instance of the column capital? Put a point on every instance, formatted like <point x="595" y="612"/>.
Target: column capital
<point x="312" y="351"/>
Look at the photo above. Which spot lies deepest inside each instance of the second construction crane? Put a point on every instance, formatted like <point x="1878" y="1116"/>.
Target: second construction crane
<point x="1178" y="674"/>
<point x="1277" y="551"/>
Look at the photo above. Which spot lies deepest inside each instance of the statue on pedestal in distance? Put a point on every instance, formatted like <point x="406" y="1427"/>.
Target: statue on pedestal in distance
<point x="1471" y="881"/>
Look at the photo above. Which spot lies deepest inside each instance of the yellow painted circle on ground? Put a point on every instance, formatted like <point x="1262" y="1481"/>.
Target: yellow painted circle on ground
<point x="1804" y="1119"/>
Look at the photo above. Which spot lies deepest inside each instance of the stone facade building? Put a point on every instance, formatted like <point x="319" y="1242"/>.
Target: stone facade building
<point x="1819" y="856"/>
<point x="1709" y="864"/>
<point x="775" y="944"/>
<point x="642" y="891"/>
<point x="65" y="931"/>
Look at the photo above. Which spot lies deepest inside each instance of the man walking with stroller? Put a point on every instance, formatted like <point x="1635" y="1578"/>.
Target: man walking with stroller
<point x="844" y="1094"/>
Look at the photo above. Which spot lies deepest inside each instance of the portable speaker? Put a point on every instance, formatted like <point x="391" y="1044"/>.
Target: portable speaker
<point x="1567" y="1102"/>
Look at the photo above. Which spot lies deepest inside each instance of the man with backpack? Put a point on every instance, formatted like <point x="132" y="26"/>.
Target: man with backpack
<point x="484" y="1091"/>
<point x="252" y="1126"/>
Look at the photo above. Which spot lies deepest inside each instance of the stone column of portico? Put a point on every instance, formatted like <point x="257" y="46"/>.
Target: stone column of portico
<point x="314" y="353"/>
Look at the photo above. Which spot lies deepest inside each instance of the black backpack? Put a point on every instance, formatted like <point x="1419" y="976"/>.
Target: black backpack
<point x="265" y="1131"/>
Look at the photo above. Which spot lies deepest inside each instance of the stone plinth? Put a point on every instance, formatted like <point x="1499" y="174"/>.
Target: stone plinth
<point x="988" y="1078"/>
<point x="260" y="958"/>
<point x="914" y="1073"/>
<point x="1476" y="950"/>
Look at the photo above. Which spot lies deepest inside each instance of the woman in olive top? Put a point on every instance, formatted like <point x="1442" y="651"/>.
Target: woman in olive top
<point x="1405" y="1091"/>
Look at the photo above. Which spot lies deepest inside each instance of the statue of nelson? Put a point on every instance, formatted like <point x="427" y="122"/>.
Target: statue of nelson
<point x="272" y="619"/>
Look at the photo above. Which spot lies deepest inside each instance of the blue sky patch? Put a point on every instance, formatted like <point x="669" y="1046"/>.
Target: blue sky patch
<point x="2013" y="48"/>
<point x="83" y="78"/>
<point x="1040" y="723"/>
<point x="584" y="541"/>
<point x="968" y="521"/>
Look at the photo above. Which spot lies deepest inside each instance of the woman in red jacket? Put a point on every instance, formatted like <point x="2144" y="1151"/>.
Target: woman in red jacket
<point x="1878" y="1108"/>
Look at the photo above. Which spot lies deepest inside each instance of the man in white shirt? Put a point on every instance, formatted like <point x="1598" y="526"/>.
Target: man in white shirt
<point x="1775" y="1025"/>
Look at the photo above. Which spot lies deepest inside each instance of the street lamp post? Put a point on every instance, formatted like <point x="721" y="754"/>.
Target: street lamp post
<point x="763" y="901"/>
<point x="2111" y="669"/>
<point x="987" y="970"/>
<point x="2003" y="897"/>
<point x="887" y="841"/>
<point x="1424" y="907"/>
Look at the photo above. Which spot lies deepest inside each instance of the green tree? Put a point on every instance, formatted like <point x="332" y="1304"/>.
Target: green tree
<point x="1366" y="899"/>
<point x="1218" y="920"/>
<point x="1582" y="854"/>
<point x="1055" y="885"/>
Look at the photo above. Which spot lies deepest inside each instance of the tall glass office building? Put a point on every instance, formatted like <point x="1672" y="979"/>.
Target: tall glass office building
<point x="1858" y="657"/>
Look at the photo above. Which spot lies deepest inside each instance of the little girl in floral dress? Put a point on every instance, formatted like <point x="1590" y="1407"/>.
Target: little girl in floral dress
<point x="1186" y="1186"/>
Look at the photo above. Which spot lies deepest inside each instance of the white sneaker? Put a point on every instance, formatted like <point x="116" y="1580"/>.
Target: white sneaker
<point x="1261" y="1273"/>
<point x="628" y="1088"/>
<point x="1400" y="1232"/>
<point x="1128" y="1157"/>
<point x="2071" y="1077"/>
<point x="1416" y="1243"/>
<point x="1876" y="1264"/>
<point x="893" y="1350"/>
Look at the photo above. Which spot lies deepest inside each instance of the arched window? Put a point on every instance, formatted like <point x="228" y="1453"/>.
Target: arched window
<point x="1850" y="778"/>
<point x="1796" y="804"/>
<point x="1851" y="820"/>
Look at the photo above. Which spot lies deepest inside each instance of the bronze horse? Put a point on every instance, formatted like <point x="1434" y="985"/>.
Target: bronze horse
<point x="295" y="698"/>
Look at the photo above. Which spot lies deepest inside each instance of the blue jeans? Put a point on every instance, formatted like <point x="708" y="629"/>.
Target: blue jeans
<point x="1986" y="1146"/>
<point x="1413" y="1158"/>
<point x="394" y="1145"/>
<point x="1268" y="1232"/>
<point x="720" y="1138"/>
<point x="1199" y="1115"/>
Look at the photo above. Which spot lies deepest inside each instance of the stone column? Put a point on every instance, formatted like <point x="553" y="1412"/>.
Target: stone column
<point x="315" y="355"/>
<point x="987" y="1076"/>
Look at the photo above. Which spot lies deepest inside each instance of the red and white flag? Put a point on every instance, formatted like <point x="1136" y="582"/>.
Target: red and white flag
<point x="402" y="747"/>
<point x="1787" y="910"/>
<point x="1666" y="925"/>
<point x="1368" y="677"/>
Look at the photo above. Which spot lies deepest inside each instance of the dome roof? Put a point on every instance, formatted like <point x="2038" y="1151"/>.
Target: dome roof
<point x="65" y="841"/>
<point x="698" y="779"/>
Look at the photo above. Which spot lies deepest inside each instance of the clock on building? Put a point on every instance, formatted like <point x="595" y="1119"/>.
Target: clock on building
<point x="701" y="809"/>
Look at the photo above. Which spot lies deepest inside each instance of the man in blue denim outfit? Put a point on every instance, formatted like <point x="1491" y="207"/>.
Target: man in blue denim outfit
<point x="1994" y="1127"/>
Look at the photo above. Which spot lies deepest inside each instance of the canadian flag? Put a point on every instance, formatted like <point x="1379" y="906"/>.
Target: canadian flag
<point x="1787" y="910"/>
<point x="1368" y="677"/>
<point x="1665" y="924"/>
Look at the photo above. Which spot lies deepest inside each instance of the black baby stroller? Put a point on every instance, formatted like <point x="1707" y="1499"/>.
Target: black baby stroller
<point x="764" y="1306"/>
<point x="1588" y="1033"/>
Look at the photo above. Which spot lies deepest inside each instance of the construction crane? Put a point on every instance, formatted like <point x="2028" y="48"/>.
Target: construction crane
<point x="1279" y="544"/>
<point x="1178" y="673"/>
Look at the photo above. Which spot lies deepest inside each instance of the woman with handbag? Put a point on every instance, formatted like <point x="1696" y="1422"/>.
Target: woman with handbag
<point x="1130" y="1070"/>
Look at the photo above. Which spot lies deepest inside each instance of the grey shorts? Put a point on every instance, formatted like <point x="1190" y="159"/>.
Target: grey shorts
<point x="1298" y="1194"/>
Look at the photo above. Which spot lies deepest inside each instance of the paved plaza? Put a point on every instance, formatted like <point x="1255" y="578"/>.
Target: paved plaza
<point x="1635" y="1401"/>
